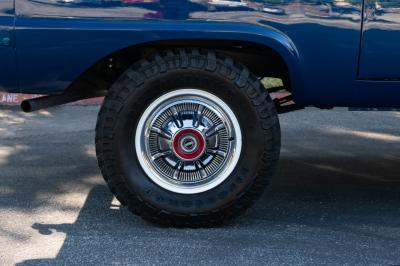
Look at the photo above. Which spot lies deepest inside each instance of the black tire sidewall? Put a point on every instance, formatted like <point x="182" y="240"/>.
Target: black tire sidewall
<point x="142" y="187"/>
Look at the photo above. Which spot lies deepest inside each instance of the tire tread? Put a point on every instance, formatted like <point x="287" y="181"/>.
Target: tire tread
<point x="187" y="59"/>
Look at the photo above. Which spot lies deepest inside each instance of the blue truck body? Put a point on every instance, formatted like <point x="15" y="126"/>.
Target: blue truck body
<point x="338" y="53"/>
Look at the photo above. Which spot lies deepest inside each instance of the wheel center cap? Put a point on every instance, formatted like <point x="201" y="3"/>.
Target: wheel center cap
<point x="188" y="144"/>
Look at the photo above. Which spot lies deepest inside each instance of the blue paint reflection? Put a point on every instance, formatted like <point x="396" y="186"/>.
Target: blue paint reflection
<point x="200" y="9"/>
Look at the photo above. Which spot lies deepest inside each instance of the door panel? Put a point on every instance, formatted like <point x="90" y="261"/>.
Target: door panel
<point x="8" y="79"/>
<point x="380" y="45"/>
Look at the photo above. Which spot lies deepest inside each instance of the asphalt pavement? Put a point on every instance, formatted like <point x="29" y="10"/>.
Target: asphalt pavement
<point x="335" y="199"/>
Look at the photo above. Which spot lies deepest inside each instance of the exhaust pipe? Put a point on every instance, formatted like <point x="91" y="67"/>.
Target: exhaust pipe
<point x="53" y="100"/>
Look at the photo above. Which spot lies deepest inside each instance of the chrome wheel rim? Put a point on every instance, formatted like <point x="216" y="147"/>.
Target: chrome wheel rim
<point x="188" y="141"/>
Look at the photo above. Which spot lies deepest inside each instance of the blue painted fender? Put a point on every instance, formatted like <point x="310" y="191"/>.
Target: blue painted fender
<point x="52" y="55"/>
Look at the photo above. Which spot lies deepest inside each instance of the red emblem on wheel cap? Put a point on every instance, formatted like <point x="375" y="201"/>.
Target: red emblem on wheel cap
<point x="189" y="144"/>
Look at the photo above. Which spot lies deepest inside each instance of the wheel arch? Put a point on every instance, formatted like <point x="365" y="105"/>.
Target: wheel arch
<point x="266" y="52"/>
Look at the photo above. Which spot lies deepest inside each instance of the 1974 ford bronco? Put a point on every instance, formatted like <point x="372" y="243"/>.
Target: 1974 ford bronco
<point x="187" y="134"/>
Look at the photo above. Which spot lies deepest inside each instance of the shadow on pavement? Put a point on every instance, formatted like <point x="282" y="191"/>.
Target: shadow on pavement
<point x="307" y="212"/>
<point x="334" y="200"/>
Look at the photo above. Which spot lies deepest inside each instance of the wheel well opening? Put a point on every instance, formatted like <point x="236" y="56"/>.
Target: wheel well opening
<point x="263" y="61"/>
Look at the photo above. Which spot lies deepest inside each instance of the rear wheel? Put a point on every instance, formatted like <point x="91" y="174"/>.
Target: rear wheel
<point x="187" y="138"/>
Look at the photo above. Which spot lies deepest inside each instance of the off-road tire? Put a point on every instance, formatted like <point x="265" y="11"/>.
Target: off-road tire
<point x="166" y="71"/>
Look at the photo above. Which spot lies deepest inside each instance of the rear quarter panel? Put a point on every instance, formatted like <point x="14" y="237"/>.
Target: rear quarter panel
<point x="319" y="40"/>
<point x="8" y="79"/>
